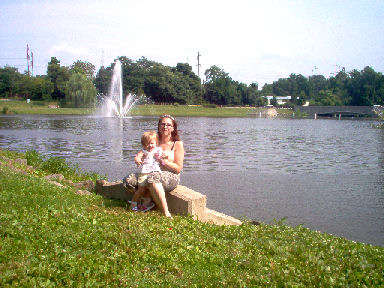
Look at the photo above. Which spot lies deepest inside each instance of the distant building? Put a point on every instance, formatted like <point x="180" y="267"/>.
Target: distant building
<point x="280" y="99"/>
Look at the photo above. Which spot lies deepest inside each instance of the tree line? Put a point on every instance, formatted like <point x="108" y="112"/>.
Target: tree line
<point x="79" y="86"/>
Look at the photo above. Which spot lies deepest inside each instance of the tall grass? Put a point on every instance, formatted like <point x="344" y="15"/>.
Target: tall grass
<point x="52" y="237"/>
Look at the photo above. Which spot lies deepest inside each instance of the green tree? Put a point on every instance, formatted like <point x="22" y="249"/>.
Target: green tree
<point x="339" y="84"/>
<point x="250" y="95"/>
<point x="267" y="90"/>
<point x="274" y="101"/>
<point x="260" y="101"/>
<point x="191" y="82"/>
<point x="281" y="87"/>
<point x="102" y="80"/>
<point x="83" y="67"/>
<point x="9" y="77"/>
<point x="214" y="73"/>
<point x="297" y="84"/>
<point x="58" y="75"/>
<point x="158" y="84"/>
<point x="317" y="83"/>
<point x="327" y="98"/>
<point x="80" y="91"/>
<point x="220" y="88"/>
<point x="42" y="88"/>
<point x="372" y="86"/>
<point x="134" y="74"/>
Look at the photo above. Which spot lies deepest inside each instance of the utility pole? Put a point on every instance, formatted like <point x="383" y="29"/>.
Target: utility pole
<point x="198" y="74"/>
<point x="28" y="58"/>
<point x="32" y="62"/>
<point x="198" y="64"/>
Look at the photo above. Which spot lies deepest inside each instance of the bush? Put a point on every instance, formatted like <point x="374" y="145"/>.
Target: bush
<point x="5" y="110"/>
<point x="33" y="158"/>
<point x="56" y="165"/>
<point x="52" y="165"/>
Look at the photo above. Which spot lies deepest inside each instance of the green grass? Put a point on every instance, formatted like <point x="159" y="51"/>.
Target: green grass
<point x="50" y="237"/>
<point x="39" y="107"/>
<point x="185" y="110"/>
<point x="43" y="166"/>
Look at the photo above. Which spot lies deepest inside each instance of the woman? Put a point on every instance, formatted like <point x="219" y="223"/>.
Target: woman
<point x="171" y="165"/>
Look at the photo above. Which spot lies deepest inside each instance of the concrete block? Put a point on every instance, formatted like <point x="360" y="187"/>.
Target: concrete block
<point x="181" y="200"/>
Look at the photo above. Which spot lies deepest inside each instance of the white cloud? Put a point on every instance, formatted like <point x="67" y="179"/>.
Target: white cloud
<point x="66" y="48"/>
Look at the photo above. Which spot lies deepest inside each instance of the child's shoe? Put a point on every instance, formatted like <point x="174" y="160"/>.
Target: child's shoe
<point x="133" y="207"/>
<point x="147" y="207"/>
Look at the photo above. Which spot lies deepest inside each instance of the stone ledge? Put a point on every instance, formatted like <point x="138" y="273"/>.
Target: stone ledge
<point x="212" y="216"/>
<point x="181" y="200"/>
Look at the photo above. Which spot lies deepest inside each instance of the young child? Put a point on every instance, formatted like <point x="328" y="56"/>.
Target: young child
<point x="149" y="160"/>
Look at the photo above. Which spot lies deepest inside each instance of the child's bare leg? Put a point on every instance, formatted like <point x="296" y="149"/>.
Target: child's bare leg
<point x="141" y="190"/>
<point x="147" y="199"/>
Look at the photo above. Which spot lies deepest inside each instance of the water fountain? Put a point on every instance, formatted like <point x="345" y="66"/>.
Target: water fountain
<point x="113" y="104"/>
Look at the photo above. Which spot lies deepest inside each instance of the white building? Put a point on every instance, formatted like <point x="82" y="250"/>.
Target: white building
<point x="280" y="99"/>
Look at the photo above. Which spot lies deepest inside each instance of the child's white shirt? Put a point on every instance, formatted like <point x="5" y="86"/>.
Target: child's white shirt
<point x="150" y="163"/>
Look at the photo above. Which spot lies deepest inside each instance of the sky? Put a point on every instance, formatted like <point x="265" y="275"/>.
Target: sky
<point x="251" y="40"/>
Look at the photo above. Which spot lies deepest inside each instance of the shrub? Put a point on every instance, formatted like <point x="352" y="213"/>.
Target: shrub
<point x="33" y="158"/>
<point x="56" y="165"/>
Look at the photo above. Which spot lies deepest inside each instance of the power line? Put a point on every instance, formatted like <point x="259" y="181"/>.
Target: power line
<point x="1" y="58"/>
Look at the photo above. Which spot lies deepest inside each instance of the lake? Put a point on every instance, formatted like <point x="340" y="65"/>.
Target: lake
<point x="327" y="175"/>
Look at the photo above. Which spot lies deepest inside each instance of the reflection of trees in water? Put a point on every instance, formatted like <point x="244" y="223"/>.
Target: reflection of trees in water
<point x="78" y="125"/>
<point x="58" y="124"/>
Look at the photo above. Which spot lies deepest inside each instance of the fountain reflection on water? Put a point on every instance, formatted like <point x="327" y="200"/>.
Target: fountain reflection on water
<point x="113" y="104"/>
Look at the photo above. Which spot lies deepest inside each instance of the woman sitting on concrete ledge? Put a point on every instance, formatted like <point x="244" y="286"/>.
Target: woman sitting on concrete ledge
<point x="168" y="178"/>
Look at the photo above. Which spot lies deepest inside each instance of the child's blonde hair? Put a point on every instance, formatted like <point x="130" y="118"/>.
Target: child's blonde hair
<point x="148" y="137"/>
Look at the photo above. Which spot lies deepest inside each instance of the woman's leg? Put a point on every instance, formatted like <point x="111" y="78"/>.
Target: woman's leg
<point x="158" y="195"/>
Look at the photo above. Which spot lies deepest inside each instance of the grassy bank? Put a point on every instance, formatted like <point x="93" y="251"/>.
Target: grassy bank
<point x="21" y="107"/>
<point x="51" y="236"/>
<point x="39" y="107"/>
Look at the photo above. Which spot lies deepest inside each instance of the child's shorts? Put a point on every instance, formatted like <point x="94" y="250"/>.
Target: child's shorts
<point x="142" y="179"/>
<point x="168" y="179"/>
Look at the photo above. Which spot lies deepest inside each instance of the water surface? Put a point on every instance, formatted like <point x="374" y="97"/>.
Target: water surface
<point x="324" y="174"/>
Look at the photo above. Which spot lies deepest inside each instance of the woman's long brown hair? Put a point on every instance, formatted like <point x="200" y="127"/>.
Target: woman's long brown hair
<point x="175" y="134"/>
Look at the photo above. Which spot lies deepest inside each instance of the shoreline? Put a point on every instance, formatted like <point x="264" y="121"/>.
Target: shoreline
<point x="14" y="107"/>
<point x="20" y="107"/>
